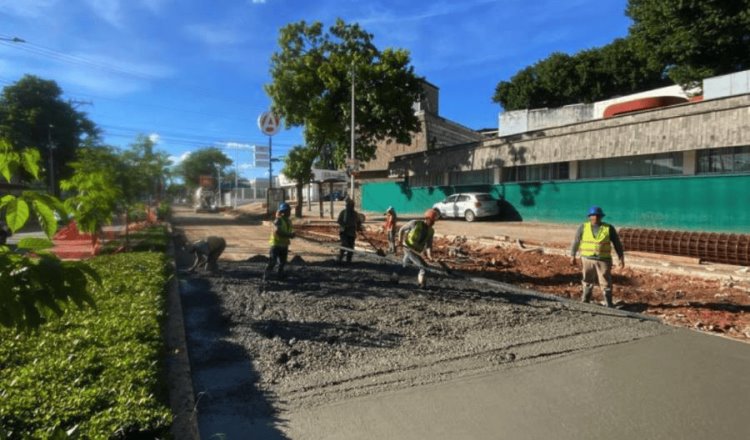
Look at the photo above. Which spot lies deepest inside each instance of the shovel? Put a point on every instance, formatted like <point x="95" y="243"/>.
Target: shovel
<point x="379" y="251"/>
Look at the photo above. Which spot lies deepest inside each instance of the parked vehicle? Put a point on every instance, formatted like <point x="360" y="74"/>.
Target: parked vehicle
<point x="468" y="205"/>
<point x="335" y="196"/>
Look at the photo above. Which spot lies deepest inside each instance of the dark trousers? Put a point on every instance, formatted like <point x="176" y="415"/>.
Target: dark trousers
<point x="279" y="253"/>
<point x="347" y="241"/>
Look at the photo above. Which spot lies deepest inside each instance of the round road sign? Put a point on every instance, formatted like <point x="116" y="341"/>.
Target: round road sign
<point x="269" y="123"/>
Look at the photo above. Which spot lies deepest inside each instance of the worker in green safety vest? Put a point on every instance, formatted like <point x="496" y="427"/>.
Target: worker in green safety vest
<point x="280" y="239"/>
<point x="595" y="240"/>
<point x="416" y="237"/>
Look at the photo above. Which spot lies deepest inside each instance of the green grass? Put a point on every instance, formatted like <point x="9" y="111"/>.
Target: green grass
<point x="93" y="373"/>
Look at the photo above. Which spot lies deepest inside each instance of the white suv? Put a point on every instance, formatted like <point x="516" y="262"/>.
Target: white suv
<point x="468" y="205"/>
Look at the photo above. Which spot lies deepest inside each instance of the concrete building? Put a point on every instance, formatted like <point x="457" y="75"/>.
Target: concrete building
<point x="685" y="166"/>
<point x="435" y="132"/>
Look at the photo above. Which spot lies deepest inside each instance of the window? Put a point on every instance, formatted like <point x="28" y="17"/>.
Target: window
<point x="531" y="173"/>
<point x="475" y="177"/>
<point x="724" y="160"/>
<point x="463" y="198"/>
<point x="435" y="179"/>
<point x="631" y="166"/>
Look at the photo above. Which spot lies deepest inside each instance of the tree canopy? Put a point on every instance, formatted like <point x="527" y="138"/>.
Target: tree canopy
<point x="670" y="41"/>
<point x="311" y="86"/>
<point x="202" y="162"/>
<point x="692" y="39"/>
<point x="33" y="114"/>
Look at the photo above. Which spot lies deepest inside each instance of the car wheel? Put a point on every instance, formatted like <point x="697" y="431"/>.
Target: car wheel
<point x="469" y="215"/>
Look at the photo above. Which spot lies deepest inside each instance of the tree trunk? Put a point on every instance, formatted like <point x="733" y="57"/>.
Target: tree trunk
<point x="298" y="208"/>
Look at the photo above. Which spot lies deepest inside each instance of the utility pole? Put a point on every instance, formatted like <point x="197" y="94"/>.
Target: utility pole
<point x="351" y="129"/>
<point x="51" y="148"/>
<point x="218" y="180"/>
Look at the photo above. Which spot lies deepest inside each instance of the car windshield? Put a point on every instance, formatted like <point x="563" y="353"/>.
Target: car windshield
<point x="484" y="197"/>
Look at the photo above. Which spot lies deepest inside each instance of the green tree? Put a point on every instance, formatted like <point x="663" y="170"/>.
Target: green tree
<point x="312" y="76"/>
<point x="298" y="166"/>
<point x="148" y="168"/>
<point x="588" y="76"/>
<point x="33" y="114"/>
<point x="34" y="283"/>
<point x="692" y="39"/>
<point x="101" y="185"/>
<point x="203" y="162"/>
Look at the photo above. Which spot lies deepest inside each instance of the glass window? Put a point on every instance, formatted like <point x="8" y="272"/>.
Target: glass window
<point x="724" y="160"/>
<point x="742" y="160"/>
<point x="463" y="198"/>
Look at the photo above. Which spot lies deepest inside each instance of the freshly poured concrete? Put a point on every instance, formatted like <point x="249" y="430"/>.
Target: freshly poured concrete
<point x="678" y="385"/>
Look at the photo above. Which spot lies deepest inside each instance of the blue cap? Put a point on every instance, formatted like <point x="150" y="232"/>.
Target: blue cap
<point x="595" y="210"/>
<point x="283" y="206"/>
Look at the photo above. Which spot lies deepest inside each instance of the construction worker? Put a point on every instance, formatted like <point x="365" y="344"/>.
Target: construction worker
<point x="350" y="223"/>
<point x="280" y="239"/>
<point x="390" y="228"/>
<point x="595" y="240"/>
<point x="416" y="237"/>
<point x="207" y="253"/>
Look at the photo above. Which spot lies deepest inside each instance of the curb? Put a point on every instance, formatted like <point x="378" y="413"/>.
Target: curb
<point x="179" y="376"/>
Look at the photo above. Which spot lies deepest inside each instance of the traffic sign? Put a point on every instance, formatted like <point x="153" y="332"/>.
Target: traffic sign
<point x="269" y="123"/>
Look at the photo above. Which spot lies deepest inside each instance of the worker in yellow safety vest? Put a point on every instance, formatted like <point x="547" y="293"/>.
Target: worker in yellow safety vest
<point x="416" y="238"/>
<point x="280" y="239"/>
<point x="595" y="240"/>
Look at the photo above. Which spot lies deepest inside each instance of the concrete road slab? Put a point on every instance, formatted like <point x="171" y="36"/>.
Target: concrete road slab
<point x="679" y="385"/>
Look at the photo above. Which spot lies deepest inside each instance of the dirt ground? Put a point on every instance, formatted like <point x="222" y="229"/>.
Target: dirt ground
<point x="710" y="305"/>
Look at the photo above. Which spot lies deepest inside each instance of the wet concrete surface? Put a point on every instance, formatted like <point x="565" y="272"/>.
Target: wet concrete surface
<point x="677" y="385"/>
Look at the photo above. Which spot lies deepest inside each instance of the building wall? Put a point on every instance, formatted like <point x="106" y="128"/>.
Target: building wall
<point x="694" y="126"/>
<point x="697" y="203"/>
<point x="436" y="132"/>
<point x="520" y="121"/>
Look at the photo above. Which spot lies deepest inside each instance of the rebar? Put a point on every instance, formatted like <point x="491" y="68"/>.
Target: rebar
<point x="708" y="246"/>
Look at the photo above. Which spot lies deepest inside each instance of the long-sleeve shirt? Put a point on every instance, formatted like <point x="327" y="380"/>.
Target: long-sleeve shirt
<point x="613" y="237"/>
<point x="349" y="222"/>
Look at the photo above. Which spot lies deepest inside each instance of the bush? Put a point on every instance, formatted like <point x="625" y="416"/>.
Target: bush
<point x="94" y="373"/>
<point x="164" y="211"/>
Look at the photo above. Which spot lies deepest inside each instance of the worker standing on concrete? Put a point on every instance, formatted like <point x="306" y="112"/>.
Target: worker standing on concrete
<point x="416" y="237"/>
<point x="390" y="228"/>
<point x="349" y="224"/>
<point x="595" y="240"/>
<point x="280" y="239"/>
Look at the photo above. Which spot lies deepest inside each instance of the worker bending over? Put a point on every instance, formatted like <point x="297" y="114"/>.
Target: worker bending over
<point x="207" y="252"/>
<point x="416" y="237"/>
<point x="280" y="239"/>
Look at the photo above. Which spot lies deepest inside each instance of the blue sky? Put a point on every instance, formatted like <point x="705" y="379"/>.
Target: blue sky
<point x="190" y="73"/>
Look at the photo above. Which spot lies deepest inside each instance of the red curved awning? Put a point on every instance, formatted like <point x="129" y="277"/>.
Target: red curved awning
<point x="638" y="105"/>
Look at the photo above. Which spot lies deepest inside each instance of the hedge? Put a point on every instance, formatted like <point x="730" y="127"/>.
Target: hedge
<point x="93" y="373"/>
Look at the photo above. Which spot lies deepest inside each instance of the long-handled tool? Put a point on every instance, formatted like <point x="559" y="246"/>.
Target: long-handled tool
<point x="379" y="251"/>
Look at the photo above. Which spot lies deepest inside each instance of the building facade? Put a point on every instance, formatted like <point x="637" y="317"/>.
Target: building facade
<point x="685" y="166"/>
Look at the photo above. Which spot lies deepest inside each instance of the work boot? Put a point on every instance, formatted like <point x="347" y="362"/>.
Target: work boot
<point x="608" y="298"/>
<point x="586" y="296"/>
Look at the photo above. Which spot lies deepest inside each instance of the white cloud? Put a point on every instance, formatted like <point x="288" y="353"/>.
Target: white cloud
<point x="154" y="137"/>
<point x="26" y="8"/>
<point x="176" y="160"/>
<point x="109" y="10"/>
<point x="258" y="2"/>
<point x="215" y="35"/>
